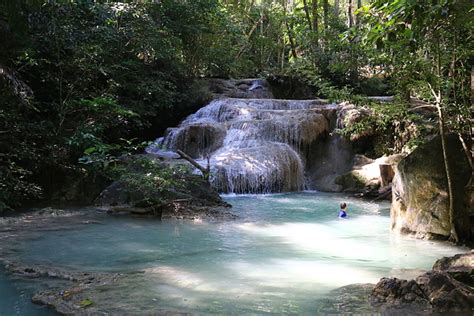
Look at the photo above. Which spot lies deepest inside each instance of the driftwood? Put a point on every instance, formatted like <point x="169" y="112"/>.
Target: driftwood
<point x="205" y="170"/>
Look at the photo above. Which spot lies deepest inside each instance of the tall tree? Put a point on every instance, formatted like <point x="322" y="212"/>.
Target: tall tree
<point x="350" y="17"/>
<point x="428" y="46"/>
<point x="326" y="13"/>
<point x="314" y="10"/>
<point x="306" y="12"/>
<point x="359" y="5"/>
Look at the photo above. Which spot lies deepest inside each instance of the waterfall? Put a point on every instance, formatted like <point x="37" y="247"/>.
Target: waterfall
<point x="254" y="145"/>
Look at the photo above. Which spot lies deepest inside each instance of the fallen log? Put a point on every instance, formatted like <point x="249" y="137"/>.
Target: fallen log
<point x="205" y="170"/>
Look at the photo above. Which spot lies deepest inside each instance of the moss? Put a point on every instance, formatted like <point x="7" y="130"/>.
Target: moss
<point x="350" y="181"/>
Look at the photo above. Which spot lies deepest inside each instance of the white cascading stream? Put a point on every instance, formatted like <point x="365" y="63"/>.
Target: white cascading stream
<point x="254" y="145"/>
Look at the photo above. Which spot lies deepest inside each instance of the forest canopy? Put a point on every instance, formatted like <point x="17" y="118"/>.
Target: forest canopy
<point x="84" y="82"/>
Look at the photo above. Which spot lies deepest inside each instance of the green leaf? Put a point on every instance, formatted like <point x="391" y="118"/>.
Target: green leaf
<point x="86" y="303"/>
<point x="90" y="150"/>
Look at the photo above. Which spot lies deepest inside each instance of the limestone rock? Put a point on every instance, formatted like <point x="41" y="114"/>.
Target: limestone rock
<point x="197" y="199"/>
<point x="433" y="291"/>
<point x="196" y="140"/>
<point x="260" y="168"/>
<point x="397" y="293"/>
<point x="420" y="200"/>
<point x="365" y="174"/>
<point x="459" y="262"/>
<point x="350" y="114"/>
<point x="446" y="293"/>
<point x="460" y="267"/>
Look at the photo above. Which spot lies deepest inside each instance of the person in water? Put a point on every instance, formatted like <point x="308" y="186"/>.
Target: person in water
<point x="342" y="211"/>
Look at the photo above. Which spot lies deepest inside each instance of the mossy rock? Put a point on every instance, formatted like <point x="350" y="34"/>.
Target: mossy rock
<point x="421" y="203"/>
<point x="351" y="181"/>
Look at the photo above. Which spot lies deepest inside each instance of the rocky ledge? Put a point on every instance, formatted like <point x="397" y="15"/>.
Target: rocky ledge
<point x="74" y="298"/>
<point x="447" y="288"/>
<point x="188" y="197"/>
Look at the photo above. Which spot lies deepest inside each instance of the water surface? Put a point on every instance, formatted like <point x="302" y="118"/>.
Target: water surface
<point x="284" y="255"/>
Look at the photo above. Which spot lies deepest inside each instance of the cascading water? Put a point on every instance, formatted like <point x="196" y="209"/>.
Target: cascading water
<point x="254" y="145"/>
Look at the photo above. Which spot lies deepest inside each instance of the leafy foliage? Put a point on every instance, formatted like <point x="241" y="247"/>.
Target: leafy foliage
<point x="84" y="83"/>
<point x="105" y="76"/>
<point x="150" y="178"/>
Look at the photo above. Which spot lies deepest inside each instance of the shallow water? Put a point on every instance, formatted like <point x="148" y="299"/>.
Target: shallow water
<point x="285" y="255"/>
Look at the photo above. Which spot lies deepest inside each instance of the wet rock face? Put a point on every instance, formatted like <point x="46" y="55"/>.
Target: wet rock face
<point x="446" y="293"/>
<point x="420" y="200"/>
<point x="448" y="288"/>
<point x="395" y="293"/>
<point x="365" y="173"/>
<point x="199" y="140"/>
<point x="460" y="267"/>
<point x="268" y="167"/>
<point x="255" y="145"/>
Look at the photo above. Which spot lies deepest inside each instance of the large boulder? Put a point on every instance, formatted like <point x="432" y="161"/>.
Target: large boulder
<point x="441" y="290"/>
<point x="420" y="196"/>
<point x="460" y="267"/>
<point x="350" y="115"/>
<point x="197" y="140"/>
<point x="445" y="293"/>
<point x="148" y="186"/>
<point x="366" y="173"/>
<point x="397" y="293"/>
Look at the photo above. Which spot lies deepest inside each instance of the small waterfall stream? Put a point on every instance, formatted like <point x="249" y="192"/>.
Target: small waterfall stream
<point x="254" y="145"/>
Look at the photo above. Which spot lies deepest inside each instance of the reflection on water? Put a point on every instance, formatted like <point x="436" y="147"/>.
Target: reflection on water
<point x="284" y="255"/>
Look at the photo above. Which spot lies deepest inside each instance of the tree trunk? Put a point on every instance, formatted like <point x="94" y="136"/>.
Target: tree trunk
<point x="249" y="35"/>
<point x="205" y="171"/>
<point x="336" y="8"/>
<point x="314" y="10"/>
<point x="350" y="17"/>
<point x="437" y="95"/>
<point x="306" y="12"/>
<point x="453" y="235"/>
<point x="359" y="5"/>
<point x="292" y="42"/>
<point x="326" y="14"/>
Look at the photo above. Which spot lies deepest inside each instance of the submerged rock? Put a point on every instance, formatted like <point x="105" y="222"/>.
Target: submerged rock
<point x="350" y="299"/>
<point x="420" y="200"/>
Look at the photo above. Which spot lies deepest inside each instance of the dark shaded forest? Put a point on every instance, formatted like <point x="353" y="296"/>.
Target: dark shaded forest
<point x="84" y="83"/>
